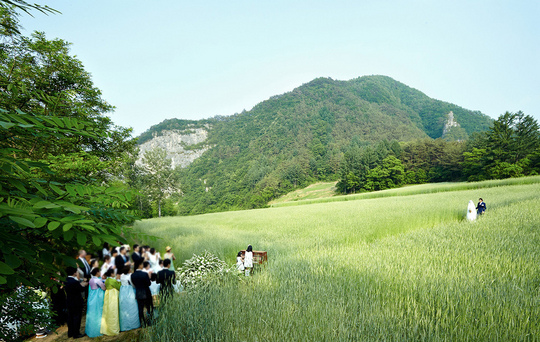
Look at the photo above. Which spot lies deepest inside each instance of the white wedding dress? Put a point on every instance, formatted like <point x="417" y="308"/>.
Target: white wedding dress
<point x="471" y="211"/>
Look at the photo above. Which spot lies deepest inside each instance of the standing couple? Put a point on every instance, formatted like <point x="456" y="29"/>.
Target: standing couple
<point x="473" y="211"/>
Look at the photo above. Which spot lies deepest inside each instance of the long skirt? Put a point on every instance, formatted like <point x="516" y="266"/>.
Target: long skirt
<point x="110" y="324"/>
<point x="93" y="312"/>
<point x="129" y="311"/>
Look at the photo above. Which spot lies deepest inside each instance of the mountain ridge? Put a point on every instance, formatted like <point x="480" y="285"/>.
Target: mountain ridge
<point x="299" y="137"/>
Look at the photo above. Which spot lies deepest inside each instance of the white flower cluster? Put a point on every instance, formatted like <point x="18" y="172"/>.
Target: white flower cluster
<point x="201" y="270"/>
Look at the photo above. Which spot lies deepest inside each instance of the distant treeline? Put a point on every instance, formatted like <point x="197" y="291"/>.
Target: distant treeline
<point x="510" y="148"/>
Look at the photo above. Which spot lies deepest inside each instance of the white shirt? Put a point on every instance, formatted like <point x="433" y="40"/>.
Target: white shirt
<point x="239" y="264"/>
<point x="248" y="259"/>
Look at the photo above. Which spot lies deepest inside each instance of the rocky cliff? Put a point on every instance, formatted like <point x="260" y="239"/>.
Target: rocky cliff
<point x="182" y="146"/>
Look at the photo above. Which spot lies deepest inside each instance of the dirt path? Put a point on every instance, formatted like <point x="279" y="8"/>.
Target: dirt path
<point x="61" y="335"/>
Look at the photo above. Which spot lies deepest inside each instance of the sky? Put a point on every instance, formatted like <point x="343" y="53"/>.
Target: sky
<point x="155" y="60"/>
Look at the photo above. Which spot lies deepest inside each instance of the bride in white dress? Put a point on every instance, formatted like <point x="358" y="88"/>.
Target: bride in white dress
<point x="471" y="211"/>
<point x="153" y="259"/>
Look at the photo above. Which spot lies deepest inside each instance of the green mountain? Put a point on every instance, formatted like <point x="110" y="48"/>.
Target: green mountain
<point x="299" y="137"/>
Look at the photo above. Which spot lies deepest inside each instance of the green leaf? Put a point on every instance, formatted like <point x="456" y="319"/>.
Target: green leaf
<point x="81" y="239"/>
<point x="22" y="221"/>
<point x="80" y="190"/>
<point x="53" y="225"/>
<point x="57" y="189"/>
<point x="67" y="227"/>
<point x="96" y="241"/>
<point x="5" y="269"/>
<point x="71" y="190"/>
<point x="40" y="222"/>
<point x="12" y="260"/>
<point x="45" y="204"/>
<point x="2" y="280"/>
<point x="68" y="235"/>
<point x="19" y="185"/>
<point x="6" y="125"/>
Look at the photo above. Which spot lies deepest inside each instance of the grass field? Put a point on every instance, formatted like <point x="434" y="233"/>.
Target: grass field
<point x="325" y="192"/>
<point x="405" y="267"/>
<point x="313" y="191"/>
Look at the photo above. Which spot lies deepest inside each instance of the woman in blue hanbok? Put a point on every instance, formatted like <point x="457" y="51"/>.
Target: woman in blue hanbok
<point x="96" y="294"/>
<point x="129" y="311"/>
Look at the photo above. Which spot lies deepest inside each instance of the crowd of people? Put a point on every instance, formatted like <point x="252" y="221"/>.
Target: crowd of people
<point x="120" y="289"/>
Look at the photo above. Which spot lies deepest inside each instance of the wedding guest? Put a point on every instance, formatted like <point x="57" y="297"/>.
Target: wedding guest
<point x="248" y="260"/>
<point x="166" y="279"/>
<point x="121" y="260"/>
<point x="136" y="255"/>
<point x="169" y="255"/>
<point x="94" y="263"/>
<point x="240" y="262"/>
<point x="83" y="264"/>
<point x="107" y="264"/>
<point x="129" y="312"/>
<point x="110" y="324"/>
<point x="106" y="250"/>
<point x="94" y="306"/>
<point x="74" y="302"/>
<point x="141" y="282"/>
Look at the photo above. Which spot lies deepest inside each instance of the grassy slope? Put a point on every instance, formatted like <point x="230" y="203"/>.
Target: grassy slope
<point x="313" y="191"/>
<point x="394" y="268"/>
<point x="324" y="192"/>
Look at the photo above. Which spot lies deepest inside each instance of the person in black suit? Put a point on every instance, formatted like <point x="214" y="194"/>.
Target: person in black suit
<point x="166" y="278"/>
<point x="136" y="255"/>
<point x="74" y="302"/>
<point x="83" y="264"/>
<point x="141" y="282"/>
<point x="121" y="261"/>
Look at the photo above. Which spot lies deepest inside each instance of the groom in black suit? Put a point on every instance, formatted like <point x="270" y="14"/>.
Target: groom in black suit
<point x="141" y="282"/>
<point x="74" y="302"/>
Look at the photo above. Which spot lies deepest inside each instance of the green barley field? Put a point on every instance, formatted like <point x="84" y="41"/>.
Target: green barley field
<point x="406" y="267"/>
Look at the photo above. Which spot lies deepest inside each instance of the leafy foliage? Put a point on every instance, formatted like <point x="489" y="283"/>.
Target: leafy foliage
<point x="510" y="148"/>
<point x="44" y="219"/>
<point x="23" y="312"/>
<point x="60" y="158"/>
<point x="159" y="180"/>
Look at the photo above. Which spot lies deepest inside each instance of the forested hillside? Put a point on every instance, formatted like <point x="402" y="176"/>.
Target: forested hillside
<point x="300" y="137"/>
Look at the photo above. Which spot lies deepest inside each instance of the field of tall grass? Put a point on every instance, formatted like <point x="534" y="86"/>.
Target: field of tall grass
<point x="325" y="192"/>
<point x="406" y="267"/>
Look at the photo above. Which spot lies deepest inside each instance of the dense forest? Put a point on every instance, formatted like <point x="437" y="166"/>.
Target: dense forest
<point x="300" y="137"/>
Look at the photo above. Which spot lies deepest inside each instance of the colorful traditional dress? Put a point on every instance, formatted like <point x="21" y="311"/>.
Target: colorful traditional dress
<point x="110" y="323"/>
<point x="129" y="311"/>
<point x="169" y="256"/>
<point x="94" y="305"/>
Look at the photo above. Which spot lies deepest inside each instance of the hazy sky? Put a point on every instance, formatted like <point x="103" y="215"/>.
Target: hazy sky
<point x="155" y="60"/>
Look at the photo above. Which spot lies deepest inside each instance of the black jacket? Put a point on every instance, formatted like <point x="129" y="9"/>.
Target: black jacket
<point x="74" y="289"/>
<point x="136" y="257"/>
<point x="83" y="267"/>
<point x="119" y="263"/>
<point x="166" y="278"/>
<point x="141" y="282"/>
